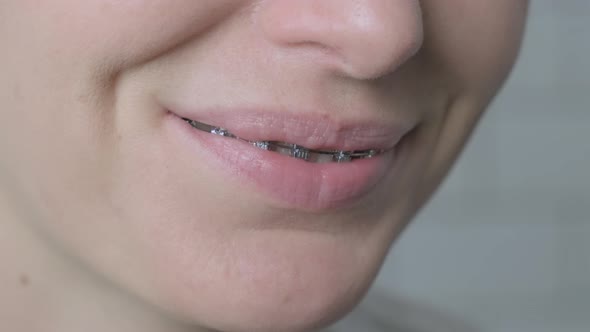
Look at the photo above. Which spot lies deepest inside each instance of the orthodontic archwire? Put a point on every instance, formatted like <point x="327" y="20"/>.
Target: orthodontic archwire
<point x="291" y="150"/>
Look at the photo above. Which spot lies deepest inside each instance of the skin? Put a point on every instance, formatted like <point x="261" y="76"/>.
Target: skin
<point x="106" y="224"/>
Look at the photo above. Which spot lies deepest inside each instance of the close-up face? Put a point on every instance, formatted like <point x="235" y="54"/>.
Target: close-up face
<point x="239" y="165"/>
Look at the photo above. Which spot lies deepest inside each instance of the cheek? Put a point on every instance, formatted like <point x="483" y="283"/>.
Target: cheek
<point x="57" y="60"/>
<point x="479" y="46"/>
<point x="114" y="32"/>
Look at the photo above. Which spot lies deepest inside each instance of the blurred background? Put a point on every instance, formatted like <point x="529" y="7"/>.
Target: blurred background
<point x="505" y="243"/>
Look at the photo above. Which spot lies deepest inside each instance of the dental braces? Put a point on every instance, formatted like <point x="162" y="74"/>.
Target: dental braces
<point x="291" y="150"/>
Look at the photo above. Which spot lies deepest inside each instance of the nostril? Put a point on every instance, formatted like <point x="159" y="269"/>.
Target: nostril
<point x="366" y="39"/>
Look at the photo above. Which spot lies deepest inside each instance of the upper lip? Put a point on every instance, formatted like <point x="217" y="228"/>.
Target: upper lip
<point x="311" y="130"/>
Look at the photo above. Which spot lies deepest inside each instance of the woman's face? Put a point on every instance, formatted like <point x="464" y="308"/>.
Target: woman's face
<point x="213" y="230"/>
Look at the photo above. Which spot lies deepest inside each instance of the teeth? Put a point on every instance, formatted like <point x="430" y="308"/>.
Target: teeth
<point x="220" y="132"/>
<point x="342" y="156"/>
<point x="299" y="152"/>
<point x="290" y="149"/>
<point x="264" y="145"/>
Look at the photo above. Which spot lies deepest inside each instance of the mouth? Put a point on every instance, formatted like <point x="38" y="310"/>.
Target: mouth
<point x="307" y="164"/>
<point x="291" y="149"/>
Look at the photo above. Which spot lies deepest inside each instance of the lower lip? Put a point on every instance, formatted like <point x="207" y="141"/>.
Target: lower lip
<point x="286" y="181"/>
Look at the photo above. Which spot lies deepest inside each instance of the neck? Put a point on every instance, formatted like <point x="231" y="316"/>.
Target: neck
<point x="44" y="290"/>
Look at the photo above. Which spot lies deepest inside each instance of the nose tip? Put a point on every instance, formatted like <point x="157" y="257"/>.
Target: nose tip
<point x="364" y="38"/>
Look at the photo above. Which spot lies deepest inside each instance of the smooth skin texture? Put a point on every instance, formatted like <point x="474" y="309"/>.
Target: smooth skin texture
<point x="106" y="224"/>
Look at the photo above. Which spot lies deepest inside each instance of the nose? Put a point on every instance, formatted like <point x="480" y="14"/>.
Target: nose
<point x="364" y="39"/>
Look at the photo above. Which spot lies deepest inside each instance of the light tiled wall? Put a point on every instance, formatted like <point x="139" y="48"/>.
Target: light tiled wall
<point x="505" y="245"/>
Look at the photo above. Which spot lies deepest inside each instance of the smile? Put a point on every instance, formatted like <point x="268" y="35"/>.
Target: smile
<point x="305" y="162"/>
<point x="290" y="149"/>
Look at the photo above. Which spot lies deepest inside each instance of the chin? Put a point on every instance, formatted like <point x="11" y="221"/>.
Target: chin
<point x="268" y="282"/>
